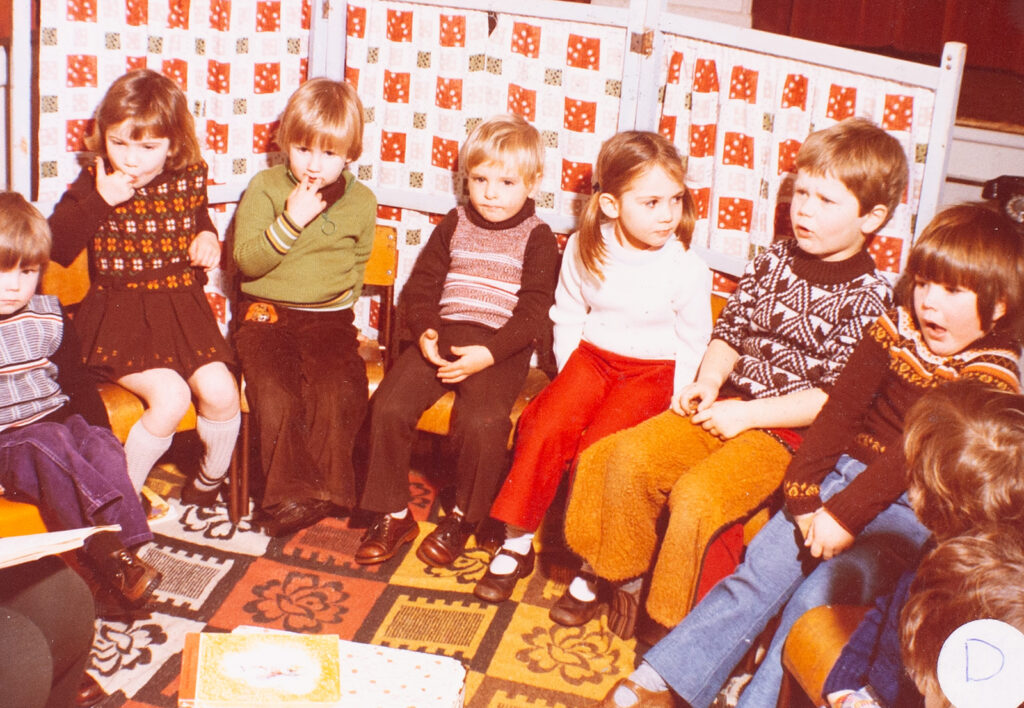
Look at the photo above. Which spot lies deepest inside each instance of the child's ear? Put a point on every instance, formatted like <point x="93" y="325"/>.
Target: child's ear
<point x="998" y="311"/>
<point x="609" y="205"/>
<point x="534" y="185"/>
<point x="875" y="217"/>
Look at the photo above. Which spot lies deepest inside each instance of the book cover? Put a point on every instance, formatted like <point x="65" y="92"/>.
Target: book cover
<point x="243" y="670"/>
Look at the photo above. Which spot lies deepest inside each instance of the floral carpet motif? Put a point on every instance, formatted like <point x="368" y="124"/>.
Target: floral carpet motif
<point x="218" y="575"/>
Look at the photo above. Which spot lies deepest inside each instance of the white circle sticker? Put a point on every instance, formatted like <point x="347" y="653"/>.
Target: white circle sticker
<point x="981" y="665"/>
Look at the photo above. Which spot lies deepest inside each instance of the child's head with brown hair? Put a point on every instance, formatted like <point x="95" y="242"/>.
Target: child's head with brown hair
<point x="24" y="251"/>
<point x="326" y="115"/>
<point x="974" y="249"/>
<point x="503" y="158"/>
<point x="866" y="159"/>
<point x="978" y="575"/>
<point x="964" y="442"/>
<point x="639" y="188"/>
<point x="140" y="105"/>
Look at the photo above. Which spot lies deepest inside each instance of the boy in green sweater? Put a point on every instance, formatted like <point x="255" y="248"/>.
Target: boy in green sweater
<point x="303" y="235"/>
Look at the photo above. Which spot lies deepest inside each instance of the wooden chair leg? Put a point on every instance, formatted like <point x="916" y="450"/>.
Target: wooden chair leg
<point x="238" y="484"/>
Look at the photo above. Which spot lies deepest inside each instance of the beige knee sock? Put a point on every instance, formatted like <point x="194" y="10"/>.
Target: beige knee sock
<point x="142" y="450"/>
<point x="218" y="437"/>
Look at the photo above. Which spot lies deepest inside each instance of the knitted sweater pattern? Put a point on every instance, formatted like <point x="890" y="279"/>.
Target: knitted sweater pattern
<point x="153" y="230"/>
<point x="320" y="266"/>
<point x="28" y="379"/>
<point x="889" y="371"/>
<point x="794" y="319"/>
<point x="486" y="271"/>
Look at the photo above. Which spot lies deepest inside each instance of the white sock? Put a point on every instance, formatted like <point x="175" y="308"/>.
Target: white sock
<point x="646" y="677"/>
<point x="633" y="586"/>
<point x="502" y="564"/>
<point x="142" y="449"/>
<point x="582" y="589"/>
<point x="218" y="437"/>
<point x="400" y="514"/>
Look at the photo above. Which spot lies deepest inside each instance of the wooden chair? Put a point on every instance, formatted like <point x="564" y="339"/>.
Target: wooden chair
<point x="812" y="648"/>
<point x="124" y="408"/>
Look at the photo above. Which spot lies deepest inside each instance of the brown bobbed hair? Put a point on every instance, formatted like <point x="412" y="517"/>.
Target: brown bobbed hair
<point x="866" y="159"/>
<point x="24" y="234"/>
<point x="325" y="114"/>
<point x="156" y="108"/>
<point x="975" y="247"/>
<point x="624" y="157"/>
<point x="963" y="443"/>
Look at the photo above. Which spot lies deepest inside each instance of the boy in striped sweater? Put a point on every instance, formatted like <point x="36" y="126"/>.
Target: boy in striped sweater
<point x="476" y="301"/>
<point x="56" y="448"/>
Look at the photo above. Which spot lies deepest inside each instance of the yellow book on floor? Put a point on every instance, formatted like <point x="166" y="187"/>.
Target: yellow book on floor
<point x="259" y="669"/>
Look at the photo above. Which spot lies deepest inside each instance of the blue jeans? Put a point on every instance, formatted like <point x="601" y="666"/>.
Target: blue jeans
<point x="76" y="474"/>
<point x="697" y="657"/>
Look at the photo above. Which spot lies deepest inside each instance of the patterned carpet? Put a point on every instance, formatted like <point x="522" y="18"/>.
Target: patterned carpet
<point x="218" y="576"/>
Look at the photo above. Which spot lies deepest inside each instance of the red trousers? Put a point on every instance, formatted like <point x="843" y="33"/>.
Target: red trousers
<point x="596" y="394"/>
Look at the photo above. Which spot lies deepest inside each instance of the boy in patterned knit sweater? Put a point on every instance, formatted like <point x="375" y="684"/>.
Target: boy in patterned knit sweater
<point x="775" y="353"/>
<point x="477" y="299"/>
<point x="848" y="529"/>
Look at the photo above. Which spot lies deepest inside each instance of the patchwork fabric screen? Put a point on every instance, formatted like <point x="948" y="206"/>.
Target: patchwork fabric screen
<point x="427" y="75"/>
<point x="741" y="117"/>
<point x="237" y="63"/>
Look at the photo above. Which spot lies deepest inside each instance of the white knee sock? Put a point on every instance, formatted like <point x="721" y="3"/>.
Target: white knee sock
<point x="143" y="449"/>
<point x="218" y="437"/>
<point x="503" y="565"/>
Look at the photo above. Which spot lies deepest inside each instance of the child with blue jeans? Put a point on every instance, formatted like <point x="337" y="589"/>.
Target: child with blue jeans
<point x="848" y="530"/>
<point x="963" y="444"/>
<point x="56" y="448"/>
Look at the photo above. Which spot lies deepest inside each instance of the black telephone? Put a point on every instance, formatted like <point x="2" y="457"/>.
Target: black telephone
<point x="1009" y="191"/>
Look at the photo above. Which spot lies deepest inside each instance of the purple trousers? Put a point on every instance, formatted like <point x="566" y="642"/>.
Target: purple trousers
<point x="75" y="473"/>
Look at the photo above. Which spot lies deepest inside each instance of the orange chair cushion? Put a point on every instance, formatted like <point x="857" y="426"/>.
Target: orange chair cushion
<point x="19" y="519"/>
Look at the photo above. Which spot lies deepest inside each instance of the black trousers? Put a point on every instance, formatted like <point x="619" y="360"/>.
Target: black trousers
<point x="479" y="432"/>
<point x="47" y="621"/>
<point x="307" y="389"/>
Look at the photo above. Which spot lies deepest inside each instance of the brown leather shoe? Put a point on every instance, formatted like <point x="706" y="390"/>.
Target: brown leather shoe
<point x="446" y="542"/>
<point x="622" y="613"/>
<point x="89" y="692"/>
<point x="570" y="611"/>
<point x="644" y="698"/>
<point x="295" y="515"/>
<point x="384" y="537"/>
<point x="129" y="576"/>
<point x="498" y="588"/>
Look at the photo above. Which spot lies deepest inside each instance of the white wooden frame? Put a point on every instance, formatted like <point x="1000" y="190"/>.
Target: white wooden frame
<point x="639" y="104"/>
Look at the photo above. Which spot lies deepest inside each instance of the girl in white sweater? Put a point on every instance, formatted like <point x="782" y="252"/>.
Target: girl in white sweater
<point x="632" y="318"/>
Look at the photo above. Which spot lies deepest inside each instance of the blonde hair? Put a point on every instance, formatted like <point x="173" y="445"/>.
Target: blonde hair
<point x="24" y="234"/>
<point x="325" y="114"/>
<point x="510" y="140"/>
<point x="866" y="159"/>
<point x="975" y="576"/>
<point x="623" y="158"/>
<point x="156" y="108"/>
<point x="974" y="247"/>
<point x="963" y="442"/>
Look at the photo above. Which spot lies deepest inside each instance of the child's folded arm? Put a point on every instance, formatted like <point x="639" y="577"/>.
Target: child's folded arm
<point x="534" y="299"/>
<point x="693" y="326"/>
<point x="76" y="218"/>
<point x="832" y="431"/>
<point x="254" y="252"/>
<point x="421" y="294"/>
